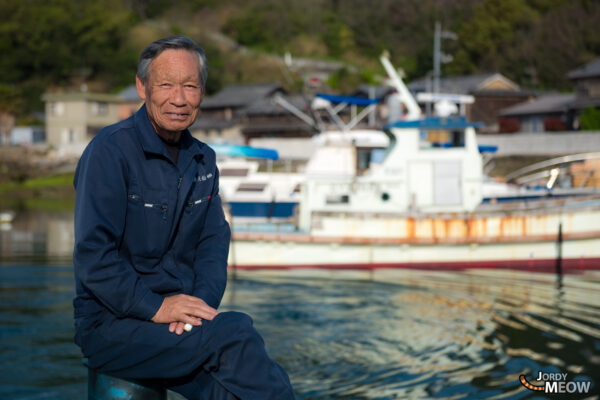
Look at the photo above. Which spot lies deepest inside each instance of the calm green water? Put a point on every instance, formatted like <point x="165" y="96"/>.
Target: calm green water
<point x="341" y="335"/>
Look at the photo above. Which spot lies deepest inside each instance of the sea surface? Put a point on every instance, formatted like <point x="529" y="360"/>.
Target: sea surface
<point x="386" y="334"/>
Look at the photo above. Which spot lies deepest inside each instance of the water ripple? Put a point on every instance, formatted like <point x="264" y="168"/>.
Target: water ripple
<point x="394" y="335"/>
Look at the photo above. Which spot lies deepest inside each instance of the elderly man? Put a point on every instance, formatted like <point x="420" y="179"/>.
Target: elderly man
<point x="151" y="245"/>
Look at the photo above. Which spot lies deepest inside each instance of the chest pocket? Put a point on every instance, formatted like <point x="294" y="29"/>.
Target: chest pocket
<point x="196" y="206"/>
<point x="148" y="222"/>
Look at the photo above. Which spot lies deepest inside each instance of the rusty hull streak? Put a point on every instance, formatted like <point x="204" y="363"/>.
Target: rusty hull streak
<point x="492" y="226"/>
<point x="305" y="238"/>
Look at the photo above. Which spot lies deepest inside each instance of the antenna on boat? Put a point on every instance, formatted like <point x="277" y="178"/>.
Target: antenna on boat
<point x="394" y="80"/>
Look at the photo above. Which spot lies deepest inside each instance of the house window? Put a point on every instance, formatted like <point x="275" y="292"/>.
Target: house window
<point x="234" y="172"/>
<point x="337" y="199"/>
<point x="594" y="90"/>
<point x="251" y="187"/>
<point x="99" y="108"/>
<point x="68" y="135"/>
<point x="57" y="109"/>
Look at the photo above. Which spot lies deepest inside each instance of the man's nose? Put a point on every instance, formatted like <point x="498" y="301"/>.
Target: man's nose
<point x="177" y="97"/>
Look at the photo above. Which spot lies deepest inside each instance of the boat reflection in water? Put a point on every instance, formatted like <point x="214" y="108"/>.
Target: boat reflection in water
<point x="379" y="334"/>
<point x="426" y="334"/>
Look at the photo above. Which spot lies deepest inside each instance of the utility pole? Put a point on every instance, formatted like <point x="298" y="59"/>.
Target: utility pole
<point x="437" y="49"/>
<point x="438" y="56"/>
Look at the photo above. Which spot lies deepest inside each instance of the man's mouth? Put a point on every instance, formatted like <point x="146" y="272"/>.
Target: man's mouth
<point x="177" y="115"/>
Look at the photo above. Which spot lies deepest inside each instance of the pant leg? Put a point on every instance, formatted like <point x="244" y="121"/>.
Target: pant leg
<point x="199" y="385"/>
<point x="228" y="349"/>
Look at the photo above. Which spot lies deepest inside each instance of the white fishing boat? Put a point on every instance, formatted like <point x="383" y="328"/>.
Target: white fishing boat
<point x="253" y="195"/>
<point x="422" y="206"/>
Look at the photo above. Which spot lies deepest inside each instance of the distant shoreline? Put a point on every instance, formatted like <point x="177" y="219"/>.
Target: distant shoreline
<point x="54" y="192"/>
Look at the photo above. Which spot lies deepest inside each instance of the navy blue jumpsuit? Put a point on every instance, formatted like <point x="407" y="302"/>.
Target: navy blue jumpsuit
<point x="147" y="228"/>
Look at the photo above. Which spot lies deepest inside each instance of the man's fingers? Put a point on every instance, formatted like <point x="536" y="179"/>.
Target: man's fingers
<point x="177" y="308"/>
<point x="179" y="329"/>
<point x="193" y="321"/>
<point x="200" y="312"/>
<point x="176" y="327"/>
<point x="196" y="308"/>
<point x="199" y="307"/>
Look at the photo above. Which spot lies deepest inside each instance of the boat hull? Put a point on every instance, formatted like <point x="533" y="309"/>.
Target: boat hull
<point x="566" y="240"/>
<point x="265" y="253"/>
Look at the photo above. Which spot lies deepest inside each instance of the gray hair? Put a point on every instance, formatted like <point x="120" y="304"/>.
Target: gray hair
<point x="172" y="42"/>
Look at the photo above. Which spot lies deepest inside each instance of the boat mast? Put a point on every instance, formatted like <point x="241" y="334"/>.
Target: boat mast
<point x="412" y="108"/>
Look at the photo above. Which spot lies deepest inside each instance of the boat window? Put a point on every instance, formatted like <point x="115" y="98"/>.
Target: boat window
<point x="234" y="172"/>
<point x="442" y="139"/>
<point x="337" y="199"/>
<point x="387" y="151"/>
<point x="251" y="187"/>
<point x="363" y="160"/>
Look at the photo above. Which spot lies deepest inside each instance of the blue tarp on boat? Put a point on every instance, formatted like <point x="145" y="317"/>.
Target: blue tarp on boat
<point x="234" y="150"/>
<point x="457" y="122"/>
<point x="356" y="101"/>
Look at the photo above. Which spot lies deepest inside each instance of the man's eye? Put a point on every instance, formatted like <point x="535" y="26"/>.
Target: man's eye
<point x="191" y="86"/>
<point x="165" y="85"/>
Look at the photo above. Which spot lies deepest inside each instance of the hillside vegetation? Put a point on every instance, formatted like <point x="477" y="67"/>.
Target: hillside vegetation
<point x="51" y="44"/>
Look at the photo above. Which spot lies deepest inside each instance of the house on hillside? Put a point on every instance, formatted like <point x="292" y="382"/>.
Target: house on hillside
<point x="491" y="92"/>
<point x="73" y="119"/>
<point x="314" y="72"/>
<point x="27" y="135"/>
<point x="548" y="112"/>
<point x="224" y="116"/>
<point x="586" y="80"/>
<point x="268" y="118"/>
<point x="131" y="102"/>
<point x="557" y="111"/>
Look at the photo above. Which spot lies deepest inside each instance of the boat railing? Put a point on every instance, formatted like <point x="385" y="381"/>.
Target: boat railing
<point x="550" y="164"/>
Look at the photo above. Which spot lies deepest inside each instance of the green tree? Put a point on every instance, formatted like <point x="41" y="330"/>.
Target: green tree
<point x="337" y="35"/>
<point x="216" y="68"/>
<point x="47" y="43"/>
<point x="590" y="119"/>
<point x="489" y="38"/>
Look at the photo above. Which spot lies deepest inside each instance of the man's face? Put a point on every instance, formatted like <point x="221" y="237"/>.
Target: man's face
<point x="173" y="92"/>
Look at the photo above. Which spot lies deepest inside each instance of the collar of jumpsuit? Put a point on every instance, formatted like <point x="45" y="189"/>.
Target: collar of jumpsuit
<point x="152" y="143"/>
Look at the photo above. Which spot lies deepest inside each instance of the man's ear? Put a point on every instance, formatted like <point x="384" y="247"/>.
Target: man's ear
<point x="141" y="88"/>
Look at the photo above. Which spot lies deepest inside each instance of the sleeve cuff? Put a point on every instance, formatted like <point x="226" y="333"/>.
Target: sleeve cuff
<point x="147" y="307"/>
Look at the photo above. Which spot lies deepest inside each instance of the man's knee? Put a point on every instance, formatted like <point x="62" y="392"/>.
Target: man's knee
<point x="231" y="321"/>
<point x="233" y="326"/>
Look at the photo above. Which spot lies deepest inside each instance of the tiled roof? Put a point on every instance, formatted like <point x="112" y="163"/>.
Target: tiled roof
<point x="204" y="123"/>
<point x="237" y="96"/>
<point x="465" y="84"/>
<point x="269" y="106"/>
<point x="129" y="94"/>
<point x="545" y="104"/>
<point x="82" y="96"/>
<point x="589" y="70"/>
<point x="379" y="91"/>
